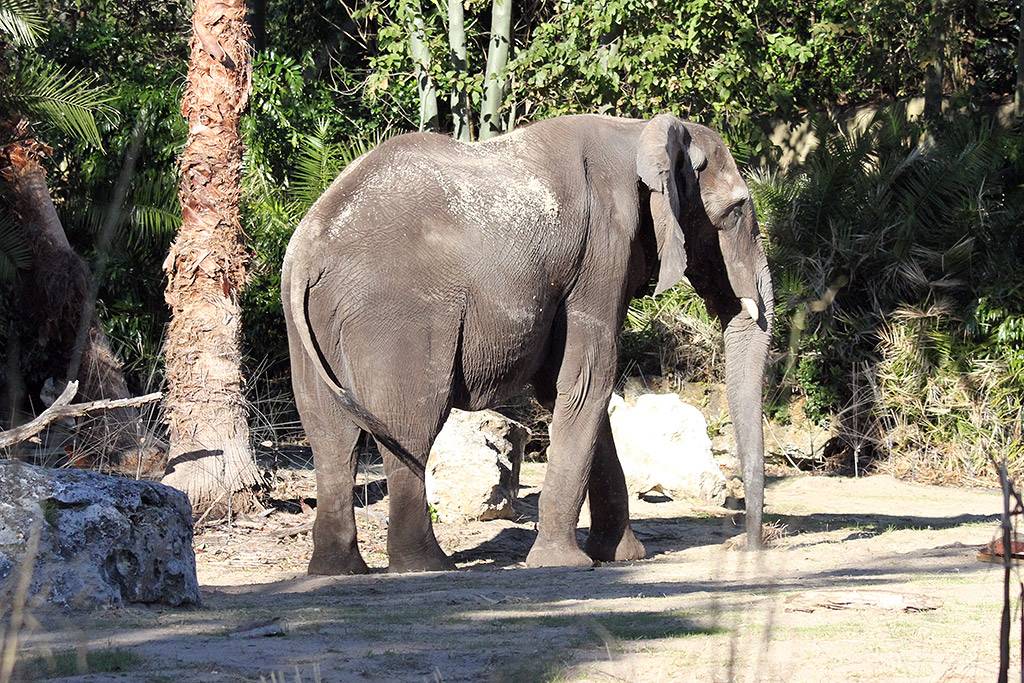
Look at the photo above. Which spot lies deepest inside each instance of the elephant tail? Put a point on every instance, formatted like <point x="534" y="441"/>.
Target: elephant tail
<point x="367" y="421"/>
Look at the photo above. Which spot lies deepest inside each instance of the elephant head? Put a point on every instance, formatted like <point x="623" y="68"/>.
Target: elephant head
<point x="704" y="224"/>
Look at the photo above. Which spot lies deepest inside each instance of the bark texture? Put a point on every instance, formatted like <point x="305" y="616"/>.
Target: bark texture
<point x="210" y="455"/>
<point x="55" y="301"/>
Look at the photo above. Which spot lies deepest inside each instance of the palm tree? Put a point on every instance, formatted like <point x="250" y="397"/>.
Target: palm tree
<point x="51" y="287"/>
<point x="210" y="454"/>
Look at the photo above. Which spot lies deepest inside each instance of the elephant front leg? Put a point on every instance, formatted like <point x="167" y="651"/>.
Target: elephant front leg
<point x="584" y="386"/>
<point x="611" y="539"/>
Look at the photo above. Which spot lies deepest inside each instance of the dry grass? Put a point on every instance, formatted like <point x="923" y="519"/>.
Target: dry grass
<point x="19" y="617"/>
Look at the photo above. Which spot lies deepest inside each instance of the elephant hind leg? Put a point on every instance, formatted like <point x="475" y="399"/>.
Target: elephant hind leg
<point x="610" y="539"/>
<point x="335" y="452"/>
<point x="334" y="438"/>
<point x="412" y="545"/>
<point x="406" y="382"/>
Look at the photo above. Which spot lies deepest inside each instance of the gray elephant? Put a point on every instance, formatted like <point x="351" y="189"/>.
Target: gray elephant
<point x="435" y="274"/>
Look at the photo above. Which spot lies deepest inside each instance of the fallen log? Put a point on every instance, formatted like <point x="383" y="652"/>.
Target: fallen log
<point x="63" y="408"/>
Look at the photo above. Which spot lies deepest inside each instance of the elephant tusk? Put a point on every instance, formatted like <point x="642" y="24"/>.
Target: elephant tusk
<point x="750" y="306"/>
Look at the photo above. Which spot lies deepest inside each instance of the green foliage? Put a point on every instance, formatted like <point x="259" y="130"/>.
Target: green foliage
<point x="735" y="65"/>
<point x="389" y="89"/>
<point x="896" y="251"/>
<point x="671" y="333"/>
<point x="67" y="99"/>
<point x="14" y="252"/>
<point x="21" y="22"/>
<point x="285" y="171"/>
<point x="34" y="88"/>
<point x="132" y="55"/>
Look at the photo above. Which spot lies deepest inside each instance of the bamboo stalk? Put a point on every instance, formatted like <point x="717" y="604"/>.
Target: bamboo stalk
<point x="421" y="57"/>
<point x="497" y="60"/>
<point x="457" y="57"/>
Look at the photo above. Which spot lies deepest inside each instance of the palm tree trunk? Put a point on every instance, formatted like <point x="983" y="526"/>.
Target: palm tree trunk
<point x="494" y="77"/>
<point x="210" y="455"/>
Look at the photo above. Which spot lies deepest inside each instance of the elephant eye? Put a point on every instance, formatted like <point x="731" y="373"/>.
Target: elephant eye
<point x="733" y="217"/>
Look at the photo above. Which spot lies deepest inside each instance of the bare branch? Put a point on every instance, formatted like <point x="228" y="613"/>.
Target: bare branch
<point x="61" y="409"/>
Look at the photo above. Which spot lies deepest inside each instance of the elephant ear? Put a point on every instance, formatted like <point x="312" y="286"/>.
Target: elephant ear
<point x="668" y="162"/>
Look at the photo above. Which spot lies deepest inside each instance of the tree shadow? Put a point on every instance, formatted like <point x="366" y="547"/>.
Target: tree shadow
<point x="666" y="535"/>
<point x="495" y="624"/>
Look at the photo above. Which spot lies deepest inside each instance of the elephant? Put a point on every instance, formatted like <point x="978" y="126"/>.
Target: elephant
<point x="435" y="273"/>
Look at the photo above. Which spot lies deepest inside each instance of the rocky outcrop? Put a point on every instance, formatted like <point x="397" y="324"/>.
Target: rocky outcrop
<point x="663" y="446"/>
<point x="473" y="468"/>
<point x="102" y="541"/>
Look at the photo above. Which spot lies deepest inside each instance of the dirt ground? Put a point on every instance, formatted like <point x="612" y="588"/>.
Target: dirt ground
<point x="875" y="579"/>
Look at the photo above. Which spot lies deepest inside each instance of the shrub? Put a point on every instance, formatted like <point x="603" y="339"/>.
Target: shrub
<point x="897" y="258"/>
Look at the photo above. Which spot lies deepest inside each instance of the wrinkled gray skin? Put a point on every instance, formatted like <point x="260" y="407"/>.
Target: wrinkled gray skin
<point x="436" y="274"/>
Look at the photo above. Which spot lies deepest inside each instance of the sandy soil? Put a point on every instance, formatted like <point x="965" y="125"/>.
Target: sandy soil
<point x="696" y="610"/>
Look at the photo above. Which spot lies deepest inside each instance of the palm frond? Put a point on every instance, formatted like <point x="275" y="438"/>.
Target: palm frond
<point x="21" y="22"/>
<point x="317" y="166"/>
<point x="320" y="161"/>
<point x="14" y="250"/>
<point x="68" y="99"/>
<point x="154" y="213"/>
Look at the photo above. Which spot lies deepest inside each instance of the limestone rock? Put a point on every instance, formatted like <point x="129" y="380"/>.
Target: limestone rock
<point x="473" y="468"/>
<point x="103" y="541"/>
<point x="664" y="447"/>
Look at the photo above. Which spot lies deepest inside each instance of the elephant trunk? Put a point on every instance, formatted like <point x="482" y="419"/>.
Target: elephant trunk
<point x="746" y="348"/>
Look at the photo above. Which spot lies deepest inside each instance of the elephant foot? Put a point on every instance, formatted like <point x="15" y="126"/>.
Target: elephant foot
<point x="565" y="554"/>
<point x="605" y="549"/>
<point x="431" y="561"/>
<point x="325" y="563"/>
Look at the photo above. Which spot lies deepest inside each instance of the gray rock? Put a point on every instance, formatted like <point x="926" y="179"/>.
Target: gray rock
<point x="473" y="468"/>
<point x="103" y="541"/>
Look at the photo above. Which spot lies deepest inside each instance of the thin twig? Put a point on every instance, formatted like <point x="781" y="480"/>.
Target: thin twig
<point x="9" y="655"/>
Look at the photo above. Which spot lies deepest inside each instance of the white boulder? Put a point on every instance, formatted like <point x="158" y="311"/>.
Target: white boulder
<point x="473" y="468"/>
<point x="663" y="446"/>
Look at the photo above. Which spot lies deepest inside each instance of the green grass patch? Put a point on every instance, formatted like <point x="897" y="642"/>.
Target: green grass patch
<point x="73" y="662"/>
